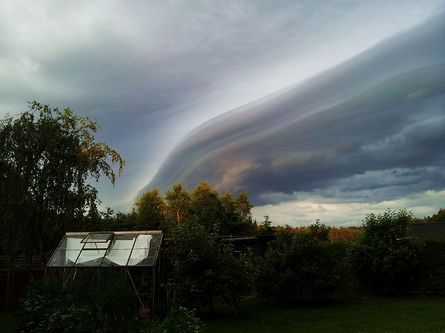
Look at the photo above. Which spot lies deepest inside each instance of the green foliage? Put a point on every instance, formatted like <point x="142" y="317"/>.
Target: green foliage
<point x="299" y="267"/>
<point x="47" y="157"/>
<point x="150" y="210"/>
<point x="177" y="204"/>
<point x="218" y="214"/>
<point x="237" y="217"/>
<point x="265" y="228"/>
<point x="385" y="259"/>
<point x="51" y="306"/>
<point x="207" y="208"/>
<point x="431" y="281"/>
<point x="179" y="320"/>
<point x="235" y="276"/>
<point x="196" y="265"/>
<point x="114" y="303"/>
<point x="439" y="217"/>
<point x="205" y="268"/>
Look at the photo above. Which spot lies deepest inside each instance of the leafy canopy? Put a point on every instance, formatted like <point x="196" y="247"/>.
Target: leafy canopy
<point x="47" y="159"/>
<point x="385" y="259"/>
<point x="218" y="214"/>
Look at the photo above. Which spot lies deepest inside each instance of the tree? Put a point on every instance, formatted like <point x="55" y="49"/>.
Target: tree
<point x="47" y="159"/>
<point x="219" y="214"/>
<point x="196" y="265"/>
<point x="205" y="268"/>
<point x="150" y="210"/>
<point x="299" y="267"/>
<point x="385" y="259"/>
<point x="177" y="204"/>
<point x="206" y="208"/>
<point x="237" y="216"/>
<point x="439" y="217"/>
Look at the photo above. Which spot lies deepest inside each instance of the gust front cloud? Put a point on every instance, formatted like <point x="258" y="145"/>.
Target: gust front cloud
<point x="371" y="126"/>
<point x="152" y="72"/>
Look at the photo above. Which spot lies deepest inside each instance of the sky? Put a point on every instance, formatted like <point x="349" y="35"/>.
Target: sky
<point x="157" y="75"/>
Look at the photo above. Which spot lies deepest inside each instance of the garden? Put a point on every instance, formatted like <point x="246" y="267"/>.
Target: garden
<point x="204" y="275"/>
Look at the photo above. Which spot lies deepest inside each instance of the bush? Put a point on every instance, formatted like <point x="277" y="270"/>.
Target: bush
<point x="235" y="278"/>
<point x="49" y="307"/>
<point x="385" y="260"/>
<point x="299" y="267"/>
<point x="179" y="320"/>
<point x="196" y="265"/>
<point x="205" y="268"/>
<point x="431" y="280"/>
<point x="114" y="303"/>
<point x="52" y="307"/>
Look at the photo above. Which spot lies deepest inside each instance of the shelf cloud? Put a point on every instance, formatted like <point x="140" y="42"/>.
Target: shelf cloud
<point x="276" y="98"/>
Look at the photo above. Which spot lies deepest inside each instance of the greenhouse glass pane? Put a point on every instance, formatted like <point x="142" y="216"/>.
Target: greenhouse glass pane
<point x="96" y="246"/>
<point x="73" y="242"/>
<point x="116" y="258"/>
<point x="140" y="250"/>
<point x="119" y="251"/>
<point x="146" y="250"/>
<point x="107" y="249"/>
<point x="90" y="258"/>
<point x="94" y="237"/>
<point x="64" y="258"/>
<point x="143" y="241"/>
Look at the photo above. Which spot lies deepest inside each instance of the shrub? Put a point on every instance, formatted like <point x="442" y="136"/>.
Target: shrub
<point x="196" y="265"/>
<point x="205" y="268"/>
<point x="299" y="267"/>
<point x="53" y="307"/>
<point x="385" y="259"/>
<point x="113" y="302"/>
<point x="179" y="320"/>
<point x="49" y="307"/>
<point x="431" y="280"/>
<point x="235" y="278"/>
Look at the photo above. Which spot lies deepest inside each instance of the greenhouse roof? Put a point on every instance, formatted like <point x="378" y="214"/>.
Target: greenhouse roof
<point x="107" y="249"/>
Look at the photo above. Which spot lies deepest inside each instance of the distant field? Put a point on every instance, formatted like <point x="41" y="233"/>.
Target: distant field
<point x="365" y="315"/>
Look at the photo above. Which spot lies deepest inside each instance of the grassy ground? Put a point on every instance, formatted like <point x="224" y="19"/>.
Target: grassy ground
<point x="365" y="315"/>
<point x="8" y="322"/>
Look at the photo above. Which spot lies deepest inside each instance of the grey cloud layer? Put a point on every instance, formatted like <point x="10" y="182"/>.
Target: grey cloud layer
<point x="377" y="113"/>
<point x="150" y="72"/>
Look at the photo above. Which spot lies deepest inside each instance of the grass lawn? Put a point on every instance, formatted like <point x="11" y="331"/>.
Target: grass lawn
<point x="364" y="315"/>
<point x="8" y="322"/>
<point x="383" y="315"/>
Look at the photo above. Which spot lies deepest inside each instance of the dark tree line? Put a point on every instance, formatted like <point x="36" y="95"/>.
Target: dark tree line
<point x="47" y="159"/>
<point x="203" y="205"/>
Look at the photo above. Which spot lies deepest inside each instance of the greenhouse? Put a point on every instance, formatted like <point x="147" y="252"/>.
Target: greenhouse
<point x="107" y="249"/>
<point x="130" y="254"/>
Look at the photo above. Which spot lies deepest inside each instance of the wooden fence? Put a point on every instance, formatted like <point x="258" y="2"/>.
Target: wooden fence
<point x="15" y="276"/>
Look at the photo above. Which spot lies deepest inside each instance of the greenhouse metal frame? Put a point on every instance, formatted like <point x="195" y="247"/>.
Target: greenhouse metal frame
<point x="109" y="249"/>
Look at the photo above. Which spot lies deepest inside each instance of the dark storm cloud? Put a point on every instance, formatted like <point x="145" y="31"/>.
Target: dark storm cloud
<point x="380" y="112"/>
<point x="151" y="72"/>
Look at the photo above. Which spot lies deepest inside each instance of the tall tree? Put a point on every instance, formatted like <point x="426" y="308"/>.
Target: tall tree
<point x="47" y="159"/>
<point x="178" y="204"/>
<point x="150" y="210"/>
<point x="206" y="208"/>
